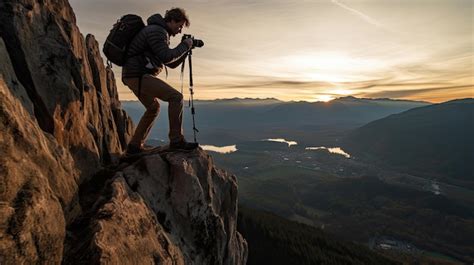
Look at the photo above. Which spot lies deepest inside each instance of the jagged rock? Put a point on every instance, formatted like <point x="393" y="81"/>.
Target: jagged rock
<point x="37" y="180"/>
<point x="128" y="232"/>
<point x="104" y="81"/>
<point x="175" y="208"/>
<point x="66" y="81"/>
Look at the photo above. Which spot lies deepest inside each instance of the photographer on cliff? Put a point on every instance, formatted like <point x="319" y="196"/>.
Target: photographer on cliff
<point x="147" y="55"/>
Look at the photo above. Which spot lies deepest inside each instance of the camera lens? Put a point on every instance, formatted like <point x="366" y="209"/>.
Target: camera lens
<point x="198" y="43"/>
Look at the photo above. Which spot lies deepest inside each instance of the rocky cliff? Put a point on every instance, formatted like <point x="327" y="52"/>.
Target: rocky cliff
<point x="64" y="196"/>
<point x="164" y="208"/>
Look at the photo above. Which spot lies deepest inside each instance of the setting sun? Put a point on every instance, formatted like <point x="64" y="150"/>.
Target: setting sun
<point x="324" y="98"/>
<point x="329" y="66"/>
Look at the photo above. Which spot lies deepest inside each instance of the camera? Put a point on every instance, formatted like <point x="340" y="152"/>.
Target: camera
<point x="196" y="43"/>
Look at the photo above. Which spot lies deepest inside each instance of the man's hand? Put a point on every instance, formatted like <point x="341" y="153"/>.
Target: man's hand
<point x="189" y="42"/>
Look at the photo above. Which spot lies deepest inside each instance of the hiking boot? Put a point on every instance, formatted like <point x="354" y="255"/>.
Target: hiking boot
<point x="148" y="148"/>
<point x="183" y="145"/>
<point x="133" y="150"/>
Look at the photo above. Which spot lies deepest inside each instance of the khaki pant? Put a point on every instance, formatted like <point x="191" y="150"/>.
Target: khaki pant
<point x="153" y="89"/>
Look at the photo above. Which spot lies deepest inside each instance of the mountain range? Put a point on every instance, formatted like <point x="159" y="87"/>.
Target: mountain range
<point x="227" y="121"/>
<point x="434" y="140"/>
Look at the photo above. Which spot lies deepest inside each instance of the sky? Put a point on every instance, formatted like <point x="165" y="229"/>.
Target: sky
<point x="312" y="50"/>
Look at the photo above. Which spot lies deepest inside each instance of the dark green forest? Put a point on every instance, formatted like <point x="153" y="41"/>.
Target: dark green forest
<point x="275" y="240"/>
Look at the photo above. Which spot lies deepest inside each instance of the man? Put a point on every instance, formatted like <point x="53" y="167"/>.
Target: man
<point x="147" y="54"/>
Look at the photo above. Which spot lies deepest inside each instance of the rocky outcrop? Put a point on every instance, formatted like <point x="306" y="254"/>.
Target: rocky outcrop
<point x="72" y="93"/>
<point x="38" y="180"/>
<point x="195" y="203"/>
<point x="165" y="208"/>
<point x="64" y="196"/>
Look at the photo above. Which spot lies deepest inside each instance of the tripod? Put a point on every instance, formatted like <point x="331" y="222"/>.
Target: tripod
<point x="191" y="91"/>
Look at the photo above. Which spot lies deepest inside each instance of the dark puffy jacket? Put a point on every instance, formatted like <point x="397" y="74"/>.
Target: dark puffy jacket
<point x="151" y="47"/>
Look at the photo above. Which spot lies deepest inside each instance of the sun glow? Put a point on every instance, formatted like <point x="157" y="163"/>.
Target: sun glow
<point x="324" y="98"/>
<point x="332" y="67"/>
<point x="343" y="92"/>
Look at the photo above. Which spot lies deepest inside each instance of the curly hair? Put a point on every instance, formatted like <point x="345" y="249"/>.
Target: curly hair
<point x="178" y="15"/>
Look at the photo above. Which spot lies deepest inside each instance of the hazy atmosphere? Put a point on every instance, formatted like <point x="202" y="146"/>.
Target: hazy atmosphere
<point x="314" y="50"/>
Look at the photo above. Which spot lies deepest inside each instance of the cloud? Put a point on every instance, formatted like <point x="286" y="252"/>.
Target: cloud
<point x="269" y="84"/>
<point x="405" y="92"/>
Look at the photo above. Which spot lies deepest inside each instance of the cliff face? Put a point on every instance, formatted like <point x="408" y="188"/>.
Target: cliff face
<point x="64" y="196"/>
<point x="73" y="95"/>
<point x="165" y="208"/>
<point x="38" y="180"/>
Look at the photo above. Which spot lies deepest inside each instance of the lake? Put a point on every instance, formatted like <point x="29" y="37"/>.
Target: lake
<point x="220" y="149"/>
<point x="333" y="150"/>
<point x="281" y="140"/>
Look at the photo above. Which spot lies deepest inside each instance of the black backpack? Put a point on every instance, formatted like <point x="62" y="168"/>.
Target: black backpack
<point x="120" y="37"/>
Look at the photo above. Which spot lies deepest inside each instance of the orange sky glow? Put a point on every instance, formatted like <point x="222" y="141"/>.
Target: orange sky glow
<point x="313" y="50"/>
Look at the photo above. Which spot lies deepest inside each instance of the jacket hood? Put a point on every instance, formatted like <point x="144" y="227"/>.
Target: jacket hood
<point x="157" y="19"/>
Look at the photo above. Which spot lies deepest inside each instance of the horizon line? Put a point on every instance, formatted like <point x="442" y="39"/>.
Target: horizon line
<point x="316" y="101"/>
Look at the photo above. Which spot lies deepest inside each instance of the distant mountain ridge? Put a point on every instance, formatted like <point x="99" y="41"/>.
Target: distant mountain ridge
<point x="275" y="100"/>
<point x="435" y="140"/>
<point x="347" y="98"/>
<point x="274" y="118"/>
<point x="343" y="110"/>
